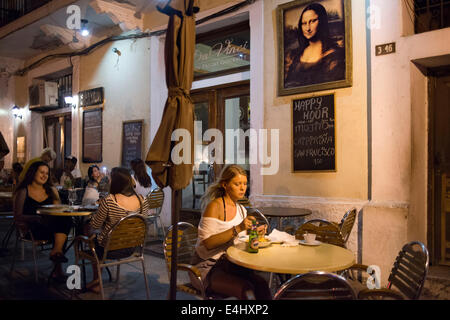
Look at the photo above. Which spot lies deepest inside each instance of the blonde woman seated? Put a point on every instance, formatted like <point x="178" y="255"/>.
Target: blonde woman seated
<point x="222" y="221"/>
<point x="121" y="201"/>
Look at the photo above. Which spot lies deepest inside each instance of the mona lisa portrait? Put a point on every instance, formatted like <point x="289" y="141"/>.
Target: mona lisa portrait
<point x="314" y="39"/>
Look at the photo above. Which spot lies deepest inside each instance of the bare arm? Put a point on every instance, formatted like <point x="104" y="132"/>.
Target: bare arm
<point x="214" y="241"/>
<point x="18" y="204"/>
<point x="100" y="216"/>
<point x="56" y="199"/>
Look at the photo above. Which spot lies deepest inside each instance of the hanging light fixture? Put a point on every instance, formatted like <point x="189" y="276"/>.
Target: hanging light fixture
<point x="84" y="30"/>
<point x="16" y="112"/>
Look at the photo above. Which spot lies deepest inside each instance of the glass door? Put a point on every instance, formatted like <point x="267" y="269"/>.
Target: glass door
<point x="222" y="109"/>
<point x="58" y="136"/>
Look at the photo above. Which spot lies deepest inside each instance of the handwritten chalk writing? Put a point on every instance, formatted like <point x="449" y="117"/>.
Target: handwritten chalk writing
<point x="314" y="133"/>
<point x="308" y="104"/>
<point x="131" y="141"/>
<point x="320" y="152"/>
<point x="314" y="140"/>
<point x="313" y="127"/>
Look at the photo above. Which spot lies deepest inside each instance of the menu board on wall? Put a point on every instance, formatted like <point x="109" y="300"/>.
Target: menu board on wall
<point x="92" y="136"/>
<point x="132" y="142"/>
<point x="314" y="145"/>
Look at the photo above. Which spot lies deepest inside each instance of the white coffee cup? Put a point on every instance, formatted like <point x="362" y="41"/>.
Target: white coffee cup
<point x="309" y="237"/>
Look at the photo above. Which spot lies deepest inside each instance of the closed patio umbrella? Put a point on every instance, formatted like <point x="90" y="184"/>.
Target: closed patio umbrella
<point x="178" y="113"/>
<point x="4" y="150"/>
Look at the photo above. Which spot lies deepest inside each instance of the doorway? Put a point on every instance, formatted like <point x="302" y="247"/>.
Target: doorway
<point x="222" y="108"/>
<point x="58" y="136"/>
<point x="439" y="159"/>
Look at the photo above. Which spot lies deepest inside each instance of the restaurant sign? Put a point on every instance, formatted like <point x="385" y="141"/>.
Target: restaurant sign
<point x="91" y="97"/>
<point x="222" y="52"/>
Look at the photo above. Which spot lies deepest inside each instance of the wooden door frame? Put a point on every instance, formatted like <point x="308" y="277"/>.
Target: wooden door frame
<point x="216" y="97"/>
<point x="431" y="232"/>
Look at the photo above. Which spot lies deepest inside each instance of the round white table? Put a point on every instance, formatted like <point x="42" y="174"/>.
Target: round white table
<point x="293" y="260"/>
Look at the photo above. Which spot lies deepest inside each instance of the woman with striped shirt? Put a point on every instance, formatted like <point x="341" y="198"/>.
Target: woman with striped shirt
<point x="121" y="201"/>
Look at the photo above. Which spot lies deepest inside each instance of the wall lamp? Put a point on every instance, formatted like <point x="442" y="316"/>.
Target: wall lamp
<point x="84" y="28"/>
<point x="16" y="112"/>
<point x="70" y="100"/>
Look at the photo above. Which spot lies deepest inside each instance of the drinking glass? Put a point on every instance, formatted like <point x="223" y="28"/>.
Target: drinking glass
<point x="72" y="197"/>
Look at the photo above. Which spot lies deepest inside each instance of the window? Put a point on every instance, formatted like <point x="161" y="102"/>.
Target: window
<point x="64" y="89"/>
<point x="429" y="14"/>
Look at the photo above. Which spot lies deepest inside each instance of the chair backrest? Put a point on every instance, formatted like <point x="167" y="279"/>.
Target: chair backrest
<point x="325" y="232"/>
<point x="410" y="270"/>
<point x="187" y="238"/>
<point x="128" y="232"/>
<point x="260" y="217"/>
<point x="316" y="285"/>
<point x="347" y="223"/>
<point x="245" y="202"/>
<point x="155" y="199"/>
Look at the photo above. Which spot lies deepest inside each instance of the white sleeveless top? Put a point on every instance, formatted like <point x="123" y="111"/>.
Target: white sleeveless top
<point x="210" y="226"/>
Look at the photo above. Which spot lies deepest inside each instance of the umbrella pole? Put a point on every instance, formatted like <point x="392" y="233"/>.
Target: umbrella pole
<point x="176" y="199"/>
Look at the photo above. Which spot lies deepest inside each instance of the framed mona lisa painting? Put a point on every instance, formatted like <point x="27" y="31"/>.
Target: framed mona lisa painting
<point x="314" y="45"/>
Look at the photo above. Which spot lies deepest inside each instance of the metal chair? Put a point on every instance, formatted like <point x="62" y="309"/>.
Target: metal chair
<point x="260" y="217"/>
<point x="199" y="178"/>
<point x="187" y="238"/>
<point x="128" y="233"/>
<point x="245" y="202"/>
<point x="325" y="232"/>
<point x="316" y="285"/>
<point x="25" y="235"/>
<point x="347" y="223"/>
<point x="155" y="200"/>
<point x="407" y="276"/>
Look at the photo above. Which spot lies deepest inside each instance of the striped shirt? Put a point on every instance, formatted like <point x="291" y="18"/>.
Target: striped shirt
<point x="109" y="213"/>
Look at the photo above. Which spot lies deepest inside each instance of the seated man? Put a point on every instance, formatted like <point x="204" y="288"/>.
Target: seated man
<point x="71" y="175"/>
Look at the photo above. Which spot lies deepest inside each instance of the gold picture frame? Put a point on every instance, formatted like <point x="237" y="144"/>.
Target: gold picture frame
<point x="300" y="68"/>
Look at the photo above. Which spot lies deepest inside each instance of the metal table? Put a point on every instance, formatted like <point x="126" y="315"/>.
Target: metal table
<point x="281" y="213"/>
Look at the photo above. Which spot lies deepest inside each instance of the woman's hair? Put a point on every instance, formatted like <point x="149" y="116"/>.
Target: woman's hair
<point x="216" y="189"/>
<point x="49" y="152"/>
<point x="29" y="177"/>
<point x="323" y="31"/>
<point x="140" y="173"/>
<point x="91" y="171"/>
<point x="121" y="182"/>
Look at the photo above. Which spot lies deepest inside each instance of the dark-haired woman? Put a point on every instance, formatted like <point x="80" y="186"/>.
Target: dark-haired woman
<point x="141" y="178"/>
<point x="121" y="201"/>
<point x="33" y="192"/>
<point x="318" y="59"/>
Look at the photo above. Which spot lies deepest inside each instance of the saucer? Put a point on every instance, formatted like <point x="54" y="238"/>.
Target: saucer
<point x="314" y="243"/>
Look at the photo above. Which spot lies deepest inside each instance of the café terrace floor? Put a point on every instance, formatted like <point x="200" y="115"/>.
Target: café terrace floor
<point x="21" y="285"/>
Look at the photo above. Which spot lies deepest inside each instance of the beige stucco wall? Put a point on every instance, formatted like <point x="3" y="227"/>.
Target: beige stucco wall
<point x="8" y="87"/>
<point x="400" y="118"/>
<point x="126" y="82"/>
<point x="383" y="236"/>
<point x="350" y="179"/>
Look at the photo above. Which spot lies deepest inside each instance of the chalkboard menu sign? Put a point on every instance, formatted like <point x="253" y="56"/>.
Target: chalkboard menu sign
<point x="314" y="145"/>
<point x="132" y="142"/>
<point x="92" y="136"/>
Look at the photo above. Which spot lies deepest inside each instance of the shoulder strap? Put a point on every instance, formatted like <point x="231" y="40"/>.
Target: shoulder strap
<point x="224" y="210"/>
